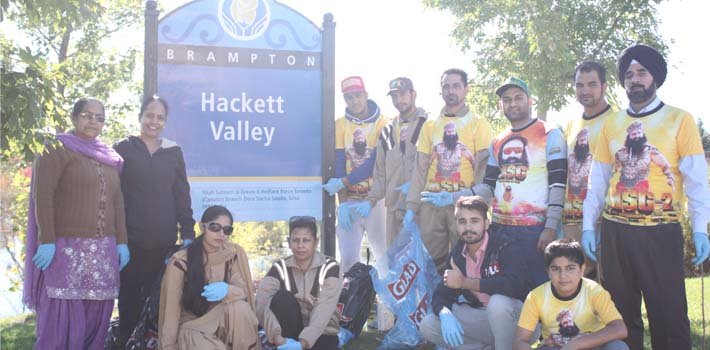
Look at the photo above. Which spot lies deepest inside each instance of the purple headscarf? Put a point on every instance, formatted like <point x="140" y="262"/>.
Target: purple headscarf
<point x="94" y="149"/>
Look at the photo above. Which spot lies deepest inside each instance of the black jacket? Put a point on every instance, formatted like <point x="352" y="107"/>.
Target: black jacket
<point x="156" y="193"/>
<point x="502" y="272"/>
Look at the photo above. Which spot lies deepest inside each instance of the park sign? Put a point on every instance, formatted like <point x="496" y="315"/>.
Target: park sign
<point x="244" y="84"/>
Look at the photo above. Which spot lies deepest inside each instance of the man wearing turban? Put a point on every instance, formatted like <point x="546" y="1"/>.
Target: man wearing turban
<point x="642" y="242"/>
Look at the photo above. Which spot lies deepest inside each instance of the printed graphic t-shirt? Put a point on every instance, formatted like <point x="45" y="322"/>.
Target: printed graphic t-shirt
<point x="582" y="135"/>
<point x="452" y="143"/>
<point x="349" y="136"/>
<point x="589" y="311"/>
<point x="646" y="188"/>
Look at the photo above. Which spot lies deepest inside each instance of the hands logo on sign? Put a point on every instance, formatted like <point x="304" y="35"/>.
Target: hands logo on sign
<point x="244" y="19"/>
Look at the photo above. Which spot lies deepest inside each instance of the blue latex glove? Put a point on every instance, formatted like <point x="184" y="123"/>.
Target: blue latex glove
<point x="439" y="199"/>
<point x="450" y="328"/>
<point x="404" y="188"/>
<point x="408" y="221"/>
<point x="44" y="255"/>
<point x="215" y="291"/>
<point x="363" y="208"/>
<point x="186" y="242"/>
<point x="344" y="221"/>
<point x="291" y="344"/>
<point x="333" y="186"/>
<point x="589" y="244"/>
<point x="344" y="336"/>
<point x="702" y="247"/>
<point x="124" y="255"/>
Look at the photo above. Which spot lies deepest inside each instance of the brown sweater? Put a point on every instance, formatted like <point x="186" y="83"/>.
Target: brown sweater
<point x="68" y="191"/>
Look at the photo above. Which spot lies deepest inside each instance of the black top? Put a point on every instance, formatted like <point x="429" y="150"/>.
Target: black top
<point x="156" y="193"/>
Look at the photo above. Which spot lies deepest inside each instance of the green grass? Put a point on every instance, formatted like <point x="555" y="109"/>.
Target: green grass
<point x="17" y="333"/>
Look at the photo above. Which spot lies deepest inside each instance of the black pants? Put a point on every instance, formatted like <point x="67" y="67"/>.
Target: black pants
<point x="287" y="310"/>
<point x="137" y="280"/>
<point x="648" y="261"/>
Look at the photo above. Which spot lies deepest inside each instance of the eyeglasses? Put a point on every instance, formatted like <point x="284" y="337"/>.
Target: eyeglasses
<point x="216" y="227"/>
<point x="301" y="220"/>
<point x="91" y="116"/>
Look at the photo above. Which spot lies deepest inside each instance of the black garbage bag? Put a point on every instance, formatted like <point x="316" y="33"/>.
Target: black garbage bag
<point x="356" y="298"/>
<point x="145" y="335"/>
<point x="113" y="336"/>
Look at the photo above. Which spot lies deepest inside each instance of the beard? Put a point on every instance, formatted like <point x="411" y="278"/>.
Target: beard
<point x="636" y="146"/>
<point x="360" y="148"/>
<point x="451" y="141"/>
<point x="581" y="151"/>
<point x="516" y="160"/>
<point x="642" y="95"/>
<point x="474" y="240"/>
<point x="403" y="146"/>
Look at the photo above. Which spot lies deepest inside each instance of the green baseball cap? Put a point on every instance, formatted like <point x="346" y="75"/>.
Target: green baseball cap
<point x="513" y="82"/>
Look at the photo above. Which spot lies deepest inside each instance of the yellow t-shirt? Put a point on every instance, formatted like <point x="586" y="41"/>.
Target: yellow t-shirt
<point x="589" y="311"/>
<point x="646" y="187"/>
<point x="579" y="161"/>
<point x="346" y="132"/>
<point x="452" y="160"/>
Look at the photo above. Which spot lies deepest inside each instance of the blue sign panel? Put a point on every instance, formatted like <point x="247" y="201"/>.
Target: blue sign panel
<point x="243" y="82"/>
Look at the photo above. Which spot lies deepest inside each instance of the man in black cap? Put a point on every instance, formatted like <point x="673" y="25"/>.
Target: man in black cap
<point x="642" y="244"/>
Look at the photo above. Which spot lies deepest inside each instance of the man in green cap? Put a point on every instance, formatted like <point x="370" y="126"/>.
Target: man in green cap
<point x="524" y="159"/>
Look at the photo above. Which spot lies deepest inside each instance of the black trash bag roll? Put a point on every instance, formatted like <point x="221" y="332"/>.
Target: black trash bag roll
<point x="356" y="298"/>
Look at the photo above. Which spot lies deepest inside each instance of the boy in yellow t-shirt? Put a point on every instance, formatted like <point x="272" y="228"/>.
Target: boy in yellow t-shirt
<point x="575" y="312"/>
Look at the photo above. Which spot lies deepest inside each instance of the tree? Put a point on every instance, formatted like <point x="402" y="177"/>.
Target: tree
<point x="704" y="136"/>
<point x="59" y="56"/>
<point x="541" y="41"/>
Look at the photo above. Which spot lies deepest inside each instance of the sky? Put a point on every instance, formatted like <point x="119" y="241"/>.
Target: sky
<point x="380" y="40"/>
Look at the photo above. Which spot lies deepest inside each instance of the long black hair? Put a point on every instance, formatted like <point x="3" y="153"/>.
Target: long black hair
<point x="148" y="100"/>
<point x="195" y="281"/>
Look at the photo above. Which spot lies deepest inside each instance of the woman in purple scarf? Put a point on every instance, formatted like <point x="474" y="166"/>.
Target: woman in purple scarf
<point x="76" y="236"/>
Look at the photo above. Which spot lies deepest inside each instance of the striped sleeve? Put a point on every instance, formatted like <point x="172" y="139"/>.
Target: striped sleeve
<point x="556" y="151"/>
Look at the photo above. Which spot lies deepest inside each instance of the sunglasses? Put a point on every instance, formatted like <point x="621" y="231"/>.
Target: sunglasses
<point x="91" y="116"/>
<point x="216" y="227"/>
<point x="301" y="219"/>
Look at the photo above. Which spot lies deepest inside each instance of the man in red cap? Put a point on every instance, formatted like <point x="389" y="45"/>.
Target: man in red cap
<point x="356" y="136"/>
<point x="648" y="159"/>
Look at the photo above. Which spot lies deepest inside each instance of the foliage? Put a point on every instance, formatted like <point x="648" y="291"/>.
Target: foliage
<point x="261" y="238"/>
<point x="541" y="41"/>
<point x="59" y="54"/>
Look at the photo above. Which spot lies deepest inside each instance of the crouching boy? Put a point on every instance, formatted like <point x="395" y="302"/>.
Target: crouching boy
<point x="575" y="312"/>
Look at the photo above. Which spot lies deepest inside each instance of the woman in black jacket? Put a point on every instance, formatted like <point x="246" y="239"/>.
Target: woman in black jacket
<point x="157" y="200"/>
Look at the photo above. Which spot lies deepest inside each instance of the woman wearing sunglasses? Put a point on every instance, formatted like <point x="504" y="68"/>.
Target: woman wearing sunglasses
<point x="207" y="295"/>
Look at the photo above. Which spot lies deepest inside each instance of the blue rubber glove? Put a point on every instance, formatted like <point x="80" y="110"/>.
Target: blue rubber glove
<point x="702" y="247"/>
<point x="215" y="291"/>
<point x="344" y="336"/>
<point x="363" y="208"/>
<point x="450" y="328"/>
<point x="404" y="188"/>
<point x="589" y="244"/>
<point x="439" y="199"/>
<point x="44" y="255"/>
<point x="124" y="256"/>
<point x="333" y="186"/>
<point x="344" y="221"/>
<point x="408" y="221"/>
<point x="291" y="344"/>
<point x="186" y="242"/>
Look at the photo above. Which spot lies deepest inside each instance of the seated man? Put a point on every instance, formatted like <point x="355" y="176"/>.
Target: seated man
<point x="296" y="301"/>
<point x="575" y="312"/>
<point x="478" y="303"/>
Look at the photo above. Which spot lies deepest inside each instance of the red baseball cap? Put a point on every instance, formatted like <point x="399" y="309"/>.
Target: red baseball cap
<point x="352" y="84"/>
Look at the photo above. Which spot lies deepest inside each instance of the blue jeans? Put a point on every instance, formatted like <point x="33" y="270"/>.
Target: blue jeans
<point x="527" y="237"/>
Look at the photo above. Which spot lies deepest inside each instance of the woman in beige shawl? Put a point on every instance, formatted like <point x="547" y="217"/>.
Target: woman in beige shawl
<point x="207" y="295"/>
